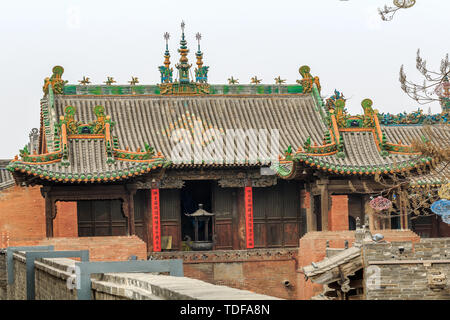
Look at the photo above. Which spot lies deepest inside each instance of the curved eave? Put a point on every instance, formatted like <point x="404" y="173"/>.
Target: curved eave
<point x="330" y="168"/>
<point x="432" y="184"/>
<point x="27" y="171"/>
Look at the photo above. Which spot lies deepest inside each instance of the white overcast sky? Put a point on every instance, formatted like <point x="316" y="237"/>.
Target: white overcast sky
<point x="345" y="43"/>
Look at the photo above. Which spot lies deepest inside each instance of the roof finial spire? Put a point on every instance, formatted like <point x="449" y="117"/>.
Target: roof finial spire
<point x="167" y="37"/>
<point x="199" y="53"/>
<point x="198" y="36"/>
<point x="167" y="54"/>
<point x="201" y="73"/>
<point x="166" y="71"/>
<point x="183" y="67"/>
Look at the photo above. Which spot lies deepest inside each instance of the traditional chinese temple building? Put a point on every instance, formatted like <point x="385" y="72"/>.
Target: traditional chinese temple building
<point x="270" y="162"/>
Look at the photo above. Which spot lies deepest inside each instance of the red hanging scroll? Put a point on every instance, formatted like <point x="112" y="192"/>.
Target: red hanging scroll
<point x="249" y="217"/>
<point x="156" y="222"/>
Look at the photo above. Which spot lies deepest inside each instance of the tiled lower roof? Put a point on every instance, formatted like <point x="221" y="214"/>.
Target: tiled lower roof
<point x="439" y="176"/>
<point x="407" y="133"/>
<point x="6" y="179"/>
<point x="363" y="156"/>
<point x="360" y="150"/>
<point x="328" y="264"/>
<point x="88" y="163"/>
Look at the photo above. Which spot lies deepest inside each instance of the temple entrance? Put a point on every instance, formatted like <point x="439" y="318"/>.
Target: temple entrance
<point x="193" y="193"/>
<point x="101" y="218"/>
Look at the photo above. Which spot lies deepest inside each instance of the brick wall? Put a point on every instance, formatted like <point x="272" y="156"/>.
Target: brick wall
<point x="338" y="214"/>
<point x="404" y="273"/>
<point x="66" y="221"/>
<point x="313" y="248"/>
<point x="305" y="199"/>
<point x="22" y="223"/>
<point x="114" y="248"/>
<point x="258" y="270"/>
<point x="22" y="216"/>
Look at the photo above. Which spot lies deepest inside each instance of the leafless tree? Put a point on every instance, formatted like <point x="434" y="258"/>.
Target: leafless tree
<point x="387" y="13"/>
<point x="432" y="88"/>
<point x="397" y="186"/>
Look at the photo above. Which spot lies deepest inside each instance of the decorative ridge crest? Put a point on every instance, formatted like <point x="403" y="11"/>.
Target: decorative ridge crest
<point x="55" y="81"/>
<point x="308" y="80"/>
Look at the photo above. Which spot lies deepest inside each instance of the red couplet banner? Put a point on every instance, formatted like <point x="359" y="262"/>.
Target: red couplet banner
<point x="156" y="222"/>
<point x="249" y="217"/>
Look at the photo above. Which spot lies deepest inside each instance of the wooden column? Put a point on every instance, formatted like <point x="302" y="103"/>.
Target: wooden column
<point x="49" y="211"/>
<point x="131" y="190"/>
<point x="307" y="203"/>
<point x="49" y="216"/>
<point x="324" y="194"/>
<point x="241" y="219"/>
<point x="235" y="215"/>
<point x="403" y="212"/>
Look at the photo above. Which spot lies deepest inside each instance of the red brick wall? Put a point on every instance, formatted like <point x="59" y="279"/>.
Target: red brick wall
<point x="115" y="248"/>
<point x="66" y="221"/>
<point x="305" y="198"/>
<point x="313" y="248"/>
<point x="264" y="277"/>
<point x="22" y="223"/>
<point x="338" y="214"/>
<point x="22" y="216"/>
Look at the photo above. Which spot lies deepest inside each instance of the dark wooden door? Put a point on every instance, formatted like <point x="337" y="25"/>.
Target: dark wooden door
<point x="223" y="205"/>
<point x="101" y="218"/>
<point x="277" y="215"/>
<point x="141" y="204"/>
<point x="170" y="213"/>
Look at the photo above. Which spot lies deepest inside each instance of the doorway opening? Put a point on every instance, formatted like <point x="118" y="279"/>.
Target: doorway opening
<point x="101" y="218"/>
<point x="193" y="193"/>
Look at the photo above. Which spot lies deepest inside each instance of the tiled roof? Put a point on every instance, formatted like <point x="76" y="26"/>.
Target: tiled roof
<point x="439" y="176"/>
<point x="363" y="156"/>
<point x="88" y="163"/>
<point x="440" y="134"/>
<point x="336" y="260"/>
<point x="151" y="119"/>
<point x="361" y="150"/>
<point x="6" y="179"/>
<point x="148" y="118"/>
<point x="407" y="133"/>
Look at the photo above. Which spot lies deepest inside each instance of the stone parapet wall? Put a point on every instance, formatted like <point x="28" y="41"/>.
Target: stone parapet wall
<point x="3" y="275"/>
<point x="313" y="248"/>
<point x="18" y="290"/>
<point x="406" y="271"/>
<point x="52" y="275"/>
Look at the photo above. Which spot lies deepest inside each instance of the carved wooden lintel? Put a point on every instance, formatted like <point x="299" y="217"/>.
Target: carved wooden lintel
<point x="165" y="183"/>
<point x="264" y="182"/>
<point x="232" y="183"/>
<point x="254" y="182"/>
